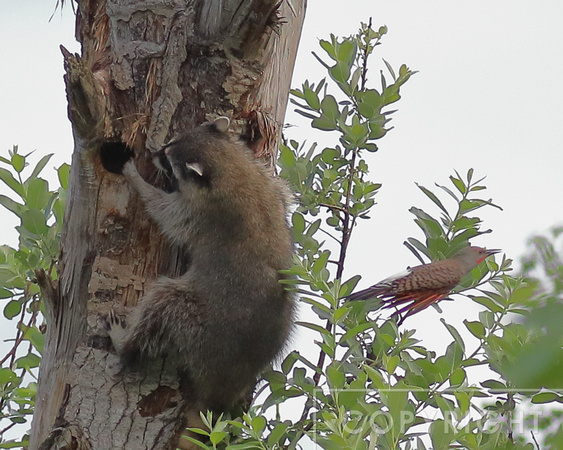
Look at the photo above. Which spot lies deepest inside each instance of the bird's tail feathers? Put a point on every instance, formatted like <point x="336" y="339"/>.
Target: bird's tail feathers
<point x="366" y="294"/>
<point x="415" y="305"/>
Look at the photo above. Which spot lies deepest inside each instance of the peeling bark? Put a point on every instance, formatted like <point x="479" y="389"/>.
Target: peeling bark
<point x="148" y="70"/>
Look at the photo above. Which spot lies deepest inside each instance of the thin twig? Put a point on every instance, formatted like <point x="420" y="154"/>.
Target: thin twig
<point x="346" y="231"/>
<point x="334" y="207"/>
<point x="7" y="428"/>
<point x="534" y="439"/>
<point x="365" y="63"/>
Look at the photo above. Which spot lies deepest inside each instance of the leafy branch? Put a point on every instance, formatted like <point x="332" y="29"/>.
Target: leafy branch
<point x="40" y="211"/>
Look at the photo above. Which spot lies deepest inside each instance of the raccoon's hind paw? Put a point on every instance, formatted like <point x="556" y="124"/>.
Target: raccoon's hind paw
<point x="117" y="330"/>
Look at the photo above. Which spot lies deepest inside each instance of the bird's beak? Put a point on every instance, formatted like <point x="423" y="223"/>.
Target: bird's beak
<point x="493" y="251"/>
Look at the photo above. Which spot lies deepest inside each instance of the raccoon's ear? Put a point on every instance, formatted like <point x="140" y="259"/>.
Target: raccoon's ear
<point x="196" y="167"/>
<point x="221" y="123"/>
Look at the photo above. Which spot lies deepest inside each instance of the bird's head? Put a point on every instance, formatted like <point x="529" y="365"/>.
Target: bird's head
<point x="471" y="257"/>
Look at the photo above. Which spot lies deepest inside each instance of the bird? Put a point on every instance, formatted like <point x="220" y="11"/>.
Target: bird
<point x="420" y="286"/>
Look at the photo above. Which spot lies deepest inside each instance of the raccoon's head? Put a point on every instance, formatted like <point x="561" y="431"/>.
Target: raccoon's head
<point x="187" y="157"/>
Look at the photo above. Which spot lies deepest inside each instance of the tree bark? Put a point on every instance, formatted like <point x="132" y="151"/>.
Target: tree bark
<point x="148" y="70"/>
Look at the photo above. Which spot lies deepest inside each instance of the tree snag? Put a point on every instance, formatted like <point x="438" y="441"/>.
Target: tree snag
<point x="147" y="71"/>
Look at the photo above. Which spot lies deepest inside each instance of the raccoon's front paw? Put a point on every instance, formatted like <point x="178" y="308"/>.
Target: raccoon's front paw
<point x="129" y="170"/>
<point x="117" y="330"/>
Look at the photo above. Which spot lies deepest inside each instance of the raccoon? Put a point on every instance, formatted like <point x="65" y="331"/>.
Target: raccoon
<point x="228" y="316"/>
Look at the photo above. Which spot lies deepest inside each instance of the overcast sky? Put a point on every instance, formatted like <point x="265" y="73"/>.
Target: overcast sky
<point x="488" y="95"/>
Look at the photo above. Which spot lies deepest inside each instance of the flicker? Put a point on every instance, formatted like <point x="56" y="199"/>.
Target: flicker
<point x="420" y="286"/>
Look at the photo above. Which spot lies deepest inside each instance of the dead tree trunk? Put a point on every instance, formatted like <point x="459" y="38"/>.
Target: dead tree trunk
<point x="148" y="70"/>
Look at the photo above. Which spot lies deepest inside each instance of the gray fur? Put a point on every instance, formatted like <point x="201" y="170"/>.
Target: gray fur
<point x="228" y="316"/>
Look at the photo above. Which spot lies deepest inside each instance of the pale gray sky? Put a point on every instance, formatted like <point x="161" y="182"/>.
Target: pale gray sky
<point x="488" y="95"/>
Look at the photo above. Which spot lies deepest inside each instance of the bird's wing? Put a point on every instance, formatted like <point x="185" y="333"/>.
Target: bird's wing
<point x="439" y="275"/>
<point x="379" y="289"/>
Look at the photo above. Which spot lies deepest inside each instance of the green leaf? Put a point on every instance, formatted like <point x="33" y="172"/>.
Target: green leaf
<point x="323" y="123"/>
<point x="377" y="127"/>
<point x="335" y="377"/>
<point x="277" y="433"/>
<point x="369" y="103"/>
<point x="329" y="48"/>
<point x="11" y="205"/>
<point x="449" y="192"/>
<point x="63" y="172"/>
<point x="358" y="131"/>
<point x="463" y="400"/>
<point x="12" y="309"/>
<point x="275" y="378"/>
<point x="287" y="157"/>
<point x="442" y="434"/>
<point x="37" y="338"/>
<point x="329" y="155"/>
<point x="340" y="72"/>
<point x="545" y="397"/>
<point x="217" y="436"/>
<point x="11" y="182"/>
<point x="346" y="52"/>
<point x="303" y="113"/>
<point x="320" y="85"/>
<point x="487" y="303"/>
<point x="14" y="444"/>
<point x="298" y="222"/>
<point x="18" y="162"/>
<point x="353" y="332"/>
<point x="58" y="207"/>
<point x="433" y="197"/>
<point x="457" y="377"/>
<point x="454" y="355"/>
<point x="494" y="385"/>
<point x="458" y="184"/>
<point x="41" y="164"/>
<point x="392" y="364"/>
<point x="33" y="221"/>
<point x="7" y="376"/>
<point x="37" y="194"/>
<point x="258" y="423"/>
<point x="454" y="334"/>
<point x="329" y="108"/>
<point x="314" y="326"/>
<point x="487" y="318"/>
<point x="355" y="78"/>
<point x="29" y="361"/>
<point x="6" y="274"/>
<point x="419" y="246"/>
<point x="466" y="222"/>
<point x="390" y="69"/>
<point x="320" y="264"/>
<point x="312" y="99"/>
<point x="477" y="329"/>
<point x="348" y="287"/>
<point x="391" y="94"/>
